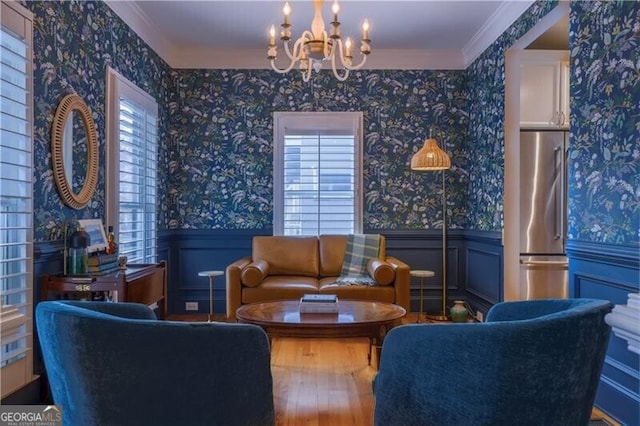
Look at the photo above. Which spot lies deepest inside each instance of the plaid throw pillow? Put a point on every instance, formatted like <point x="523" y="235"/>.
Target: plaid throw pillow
<point x="360" y="249"/>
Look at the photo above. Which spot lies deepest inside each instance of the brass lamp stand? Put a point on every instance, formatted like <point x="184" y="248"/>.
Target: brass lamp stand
<point x="431" y="158"/>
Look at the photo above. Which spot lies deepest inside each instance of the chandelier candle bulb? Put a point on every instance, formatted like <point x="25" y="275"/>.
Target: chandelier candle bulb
<point x="286" y="10"/>
<point x="272" y="36"/>
<point x="365" y="30"/>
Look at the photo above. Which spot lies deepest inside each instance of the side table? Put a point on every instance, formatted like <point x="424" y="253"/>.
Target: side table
<point x="422" y="274"/>
<point x="211" y="275"/>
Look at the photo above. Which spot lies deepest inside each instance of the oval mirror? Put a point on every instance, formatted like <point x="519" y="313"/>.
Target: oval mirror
<point x="74" y="149"/>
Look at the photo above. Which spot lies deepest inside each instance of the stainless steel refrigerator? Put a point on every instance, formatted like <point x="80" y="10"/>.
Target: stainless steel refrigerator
<point x="543" y="214"/>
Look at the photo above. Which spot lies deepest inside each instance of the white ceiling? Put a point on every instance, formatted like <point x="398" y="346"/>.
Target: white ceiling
<point x="418" y="34"/>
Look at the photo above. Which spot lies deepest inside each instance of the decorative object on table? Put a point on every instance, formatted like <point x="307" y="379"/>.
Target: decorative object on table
<point x="112" y="246"/>
<point x="211" y="275"/>
<point x="315" y="46"/>
<point x="422" y="275"/>
<point x="101" y="263"/>
<point x="95" y="229"/>
<point x="431" y="158"/>
<point x="361" y="248"/>
<point x="122" y="262"/>
<point x="78" y="256"/>
<point x="319" y="304"/>
<point x="70" y="140"/>
<point x="459" y="311"/>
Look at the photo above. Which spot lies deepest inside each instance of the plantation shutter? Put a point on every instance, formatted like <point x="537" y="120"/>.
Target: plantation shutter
<point x="16" y="198"/>
<point x="319" y="182"/>
<point x="317" y="173"/>
<point x="137" y="175"/>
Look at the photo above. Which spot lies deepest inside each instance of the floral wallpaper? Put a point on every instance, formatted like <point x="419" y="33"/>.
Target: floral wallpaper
<point x="486" y="124"/>
<point x="220" y="150"/>
<point x="73" y="42"/>
<point x="215" y="126"/>
<point x="604" y="195"/>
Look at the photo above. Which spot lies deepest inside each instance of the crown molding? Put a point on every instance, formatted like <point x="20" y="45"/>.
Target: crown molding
<point x="184" y="57"/>
<point x="505" y="15"/>
<point x="381" y="59"/>
<point x="139" y="23"/>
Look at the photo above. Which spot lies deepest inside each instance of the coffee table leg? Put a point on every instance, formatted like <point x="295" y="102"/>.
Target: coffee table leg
<point x="378" y="341"/>
<point x="369" y="354"/>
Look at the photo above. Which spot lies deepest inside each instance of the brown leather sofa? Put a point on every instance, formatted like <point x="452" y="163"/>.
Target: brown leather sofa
<point x="283" y="267"/>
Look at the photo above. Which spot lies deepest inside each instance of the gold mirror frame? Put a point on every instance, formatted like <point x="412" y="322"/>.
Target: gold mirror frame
<point x="67" y="105"/>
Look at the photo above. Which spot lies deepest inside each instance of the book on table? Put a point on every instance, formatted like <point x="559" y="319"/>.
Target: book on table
<point x="319" y="304"/>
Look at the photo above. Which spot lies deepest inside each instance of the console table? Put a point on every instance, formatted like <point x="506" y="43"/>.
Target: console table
<point x="144" y="283"/>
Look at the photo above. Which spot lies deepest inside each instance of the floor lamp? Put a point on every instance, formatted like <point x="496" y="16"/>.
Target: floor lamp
<point x="428" y="159"/>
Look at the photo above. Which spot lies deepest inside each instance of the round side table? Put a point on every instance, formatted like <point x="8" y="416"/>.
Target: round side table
<point x="422" y="274"/>
<point x="211" y="275"/>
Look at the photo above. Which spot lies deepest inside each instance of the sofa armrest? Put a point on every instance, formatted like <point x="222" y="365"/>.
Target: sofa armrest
<point x="402" y="282"/>
<point x="234" y="286"/>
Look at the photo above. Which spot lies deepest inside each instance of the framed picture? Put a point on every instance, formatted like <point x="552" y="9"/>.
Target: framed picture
<point x="94" y="228"/>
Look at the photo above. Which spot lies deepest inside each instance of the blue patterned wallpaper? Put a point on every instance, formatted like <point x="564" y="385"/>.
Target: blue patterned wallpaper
<point x="216" y="127"/>
<point x="486" y="124"/>
<point x="220" y="153"/>
<point x="74" y="41"/>
<point x="604" y="195"/>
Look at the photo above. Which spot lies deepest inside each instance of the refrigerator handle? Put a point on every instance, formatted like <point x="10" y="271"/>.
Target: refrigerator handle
<point x="558" y="193"/>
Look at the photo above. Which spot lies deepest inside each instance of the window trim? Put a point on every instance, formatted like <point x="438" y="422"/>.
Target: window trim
<point x="327" y="121"/>
<point x="117" y="86"/>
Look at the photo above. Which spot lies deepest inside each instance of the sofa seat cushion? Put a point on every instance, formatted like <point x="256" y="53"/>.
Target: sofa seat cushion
<point x="280" y="288"/>
<point x="357" y="292"/>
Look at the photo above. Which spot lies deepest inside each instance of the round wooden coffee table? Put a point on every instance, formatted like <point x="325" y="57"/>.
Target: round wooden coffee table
<point x="355" y="318"/>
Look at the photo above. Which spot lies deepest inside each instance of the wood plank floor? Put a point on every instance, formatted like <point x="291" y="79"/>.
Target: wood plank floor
<point x="322" y="382"/>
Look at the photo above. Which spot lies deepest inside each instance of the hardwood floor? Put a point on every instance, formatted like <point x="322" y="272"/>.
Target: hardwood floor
<point x="322" y="382"/>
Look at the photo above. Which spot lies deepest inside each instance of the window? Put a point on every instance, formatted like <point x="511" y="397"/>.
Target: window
<point x="16" y="198"/>
<point x="317" y="173"/>
<point x="132" y="160"/>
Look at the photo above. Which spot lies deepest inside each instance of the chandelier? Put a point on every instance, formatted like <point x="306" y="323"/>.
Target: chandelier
<point x="316" y="46"/>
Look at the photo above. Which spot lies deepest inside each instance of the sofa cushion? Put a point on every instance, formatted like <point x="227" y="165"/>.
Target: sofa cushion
<point x="254" y="273"/>
<point x="280" y="288"/>
<point x="375" y="293"/>
<point x="332" y="249"/>
<point x="381" y="271"/>
<point x="288" y="255"/>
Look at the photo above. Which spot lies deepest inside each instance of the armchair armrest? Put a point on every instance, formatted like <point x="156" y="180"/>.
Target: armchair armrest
<point x="402" y="282"/>
<point x="234" y="286"/>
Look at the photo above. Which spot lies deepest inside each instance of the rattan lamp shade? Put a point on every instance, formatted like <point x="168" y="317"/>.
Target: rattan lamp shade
<point x="430" y="157"/>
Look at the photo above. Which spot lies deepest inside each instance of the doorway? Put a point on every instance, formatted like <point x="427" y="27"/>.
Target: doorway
<point x="511" y="196"/>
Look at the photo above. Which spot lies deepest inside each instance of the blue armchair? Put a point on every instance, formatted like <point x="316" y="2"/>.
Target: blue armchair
<point x="533" y="362"/>
<point x="116" y="364"/>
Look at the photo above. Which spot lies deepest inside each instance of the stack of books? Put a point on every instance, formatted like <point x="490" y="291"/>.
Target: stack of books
<point x="319" y="304"/>
<point x="103" y="264"/>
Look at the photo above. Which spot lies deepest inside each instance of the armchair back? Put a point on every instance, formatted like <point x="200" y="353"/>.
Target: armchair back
<point x="115" y="364"/>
